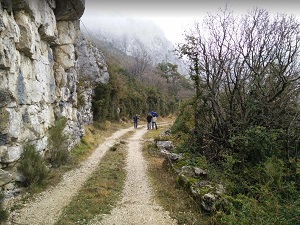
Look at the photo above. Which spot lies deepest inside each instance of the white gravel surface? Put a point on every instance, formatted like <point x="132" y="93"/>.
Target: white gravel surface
<point x="46" y="207"/>
<point x="137" y="206"/>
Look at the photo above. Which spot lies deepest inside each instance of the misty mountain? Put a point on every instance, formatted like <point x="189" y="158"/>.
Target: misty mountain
<point x="133" y="36"/>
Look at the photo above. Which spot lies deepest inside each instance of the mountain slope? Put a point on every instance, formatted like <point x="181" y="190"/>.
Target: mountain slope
<point x="132" y="36"/>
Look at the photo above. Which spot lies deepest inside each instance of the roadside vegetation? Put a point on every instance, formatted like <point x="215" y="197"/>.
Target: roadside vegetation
<point x="173" y="197"/>
<point x="3" y="212"/>
<point x="38" y="175"/>
<point x="137" y="86"/>
<point x="243" y="123"/>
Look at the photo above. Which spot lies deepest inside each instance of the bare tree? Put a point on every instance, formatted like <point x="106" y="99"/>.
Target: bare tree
<point x="125" y="42"/>
<point x="245" y="72"/>
<point x="142" y="60"/>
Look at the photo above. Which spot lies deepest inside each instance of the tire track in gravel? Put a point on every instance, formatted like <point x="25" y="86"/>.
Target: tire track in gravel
<point x="137" y="205"/>
<point x="46" y="208"/>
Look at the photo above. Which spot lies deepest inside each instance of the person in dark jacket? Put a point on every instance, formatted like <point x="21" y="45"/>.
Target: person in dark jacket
<point x="149" y="121"/>
<point x="135" y="120"/>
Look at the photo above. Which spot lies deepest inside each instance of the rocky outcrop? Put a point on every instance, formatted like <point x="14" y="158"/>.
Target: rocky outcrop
<point x="92" y="69"/>
<point x="69" y="10"/>
<point x="207" y="194"/>
<point x="42" y="66"/>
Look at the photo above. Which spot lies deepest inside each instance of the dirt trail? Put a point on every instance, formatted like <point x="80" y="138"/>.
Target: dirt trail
<point x="47" y="207"/>
<point x="136" y="207"/>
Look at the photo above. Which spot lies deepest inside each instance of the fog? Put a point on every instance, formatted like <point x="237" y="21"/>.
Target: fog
<point x="177" y="16"/>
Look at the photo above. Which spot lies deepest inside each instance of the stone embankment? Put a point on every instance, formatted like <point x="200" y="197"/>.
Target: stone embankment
<point x="47" y="71"/>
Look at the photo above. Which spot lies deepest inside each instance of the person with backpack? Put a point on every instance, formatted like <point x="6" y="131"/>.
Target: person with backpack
<point x="135" y="120"/>
<point x="149" y="121"/>
<point x="154" y="119"/>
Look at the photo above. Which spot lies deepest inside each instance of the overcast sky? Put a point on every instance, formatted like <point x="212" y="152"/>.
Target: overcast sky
<point x="175" y="16"/>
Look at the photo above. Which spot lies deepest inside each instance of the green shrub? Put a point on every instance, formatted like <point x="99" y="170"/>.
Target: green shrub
<point x="58" y="151"/>
<point x="244" y="210"/>
<point x="289" y="212"/>
<point x="184" y="122"/>
<point x="32" y="166"/>
<point x="258" y="143"/>
<point x="3" y="212"/>
<point x="274" y="170"/>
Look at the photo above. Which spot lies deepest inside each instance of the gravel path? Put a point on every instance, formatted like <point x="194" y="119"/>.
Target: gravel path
<point x="47" y="207"/>
<point x="137" y="206"/>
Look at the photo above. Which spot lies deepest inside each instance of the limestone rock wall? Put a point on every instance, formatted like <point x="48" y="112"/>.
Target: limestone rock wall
<point x="42" y="64"/>
<point x="92" y="69"/>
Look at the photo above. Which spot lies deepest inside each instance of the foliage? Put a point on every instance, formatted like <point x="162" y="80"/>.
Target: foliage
<point x="174" y="199"/>
<point x="245" y="73"/>
<point x="184" y="121"/>
<point x="3" y="212"/>
<point x="32" y="166"/>
<point x="136" y="86"/>
<point x="128" y="95"/>
<point x="245" y="210"/>
<point x="258" y="143"/>
<point x="241" y="77"/>
<point x="58" y="151"/>
<point x="176" y="81"/>
<point x="101" y="105"/>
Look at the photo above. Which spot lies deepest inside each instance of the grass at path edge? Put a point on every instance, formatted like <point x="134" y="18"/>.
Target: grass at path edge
<point x="168" y="193"/>
<point x="101" y="191"/>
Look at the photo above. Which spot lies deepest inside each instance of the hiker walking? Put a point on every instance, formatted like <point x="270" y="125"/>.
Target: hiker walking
<point x="135" y="120"/>
<point x="154" y="119"/>
<point x="149" y="121"/>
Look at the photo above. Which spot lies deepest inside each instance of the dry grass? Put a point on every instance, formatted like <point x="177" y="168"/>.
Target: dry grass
<point x="174" y="199"/>
<point x="101" y="192"/>
<point x="94" y="136"/>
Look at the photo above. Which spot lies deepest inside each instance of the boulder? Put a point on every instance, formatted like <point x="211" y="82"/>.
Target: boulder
<point x="168" y="145"/>
<point x="10" y="154"/>
<point x="69" y="10"/>
<point x="187" y="171"/>
<point x="172" y="156"/>
<point x="208" y="202"/>
<point x="175" y="157"/>
<point x="207" y="194"/>
<point x="200" y="172"/>
<point x="5" y="177"/>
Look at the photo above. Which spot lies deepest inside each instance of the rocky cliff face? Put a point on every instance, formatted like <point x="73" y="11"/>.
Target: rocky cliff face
<point x="46" y="69"/>
<point x="92" y="69"/>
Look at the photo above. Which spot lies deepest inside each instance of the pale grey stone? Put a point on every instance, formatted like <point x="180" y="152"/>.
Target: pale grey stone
<point x="5" y="177"/>
<point x="208" y="202"/>
<point x="165" y="144"/>
<point x="10" y="154"/>
<point x="69" y="37"/>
